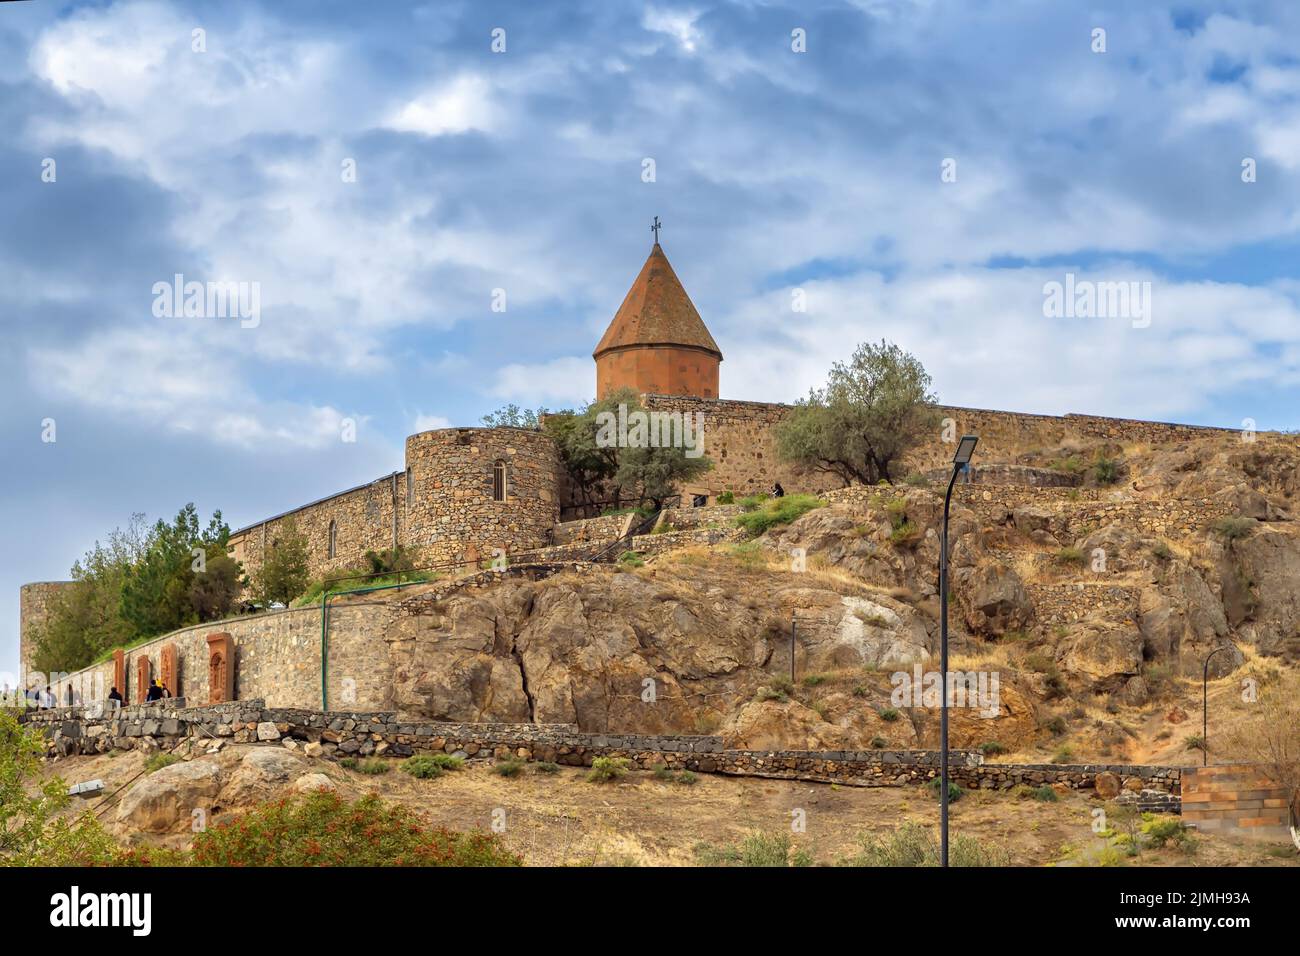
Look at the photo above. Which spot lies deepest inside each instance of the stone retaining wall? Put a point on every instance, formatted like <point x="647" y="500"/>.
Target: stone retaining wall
<point x="341" y="734"/>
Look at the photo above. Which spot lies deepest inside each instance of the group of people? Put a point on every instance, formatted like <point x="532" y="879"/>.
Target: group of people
<point x="38" y="699"/>
<point x="157" y="691"/>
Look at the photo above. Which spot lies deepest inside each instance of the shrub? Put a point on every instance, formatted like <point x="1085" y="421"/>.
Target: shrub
<point x="914" y="845"/>
<point x="631" y="559"/>
<point x="726" y="498"/>
<point x="373" y="766"/>
<point x="1044" y="793"/>
<point x="429" y="766"/>
<point x="991" y="748"/>
<point x="888" y="714"/>
<point x="815" y="680"/>
<point x="1105" y="470"/>
<point x="1234" y="528"/>
<point x="1162" y="551"/>
<point x="510" y="767"/>
<point x="160" y="760"/>
<point x="607" y="769"/>
<point x="752" y="502"/>
<point x="1068" y="556"/>
<point x="687" y="778"/>
<point x="757" y="849"/>
<point x="1193" y="742"/>
<point x="879" y="743"/>
<point x="777" y="512"/>
<point x="1163" y="830"/>
<point x="1063" y="754"/>
<point x="860" y="691"/>
<point x="546" y="766"/>
<point x="1057" y="725"/>
<point x="323" y="829"/>
<point x="955" y="792"/>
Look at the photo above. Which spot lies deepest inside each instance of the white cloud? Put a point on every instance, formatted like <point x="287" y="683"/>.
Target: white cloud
<point x="566" y="381"/>
<point x="463" y="104"/>
<point x="426" y="423"/>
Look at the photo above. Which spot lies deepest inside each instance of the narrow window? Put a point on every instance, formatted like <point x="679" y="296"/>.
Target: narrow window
<point x="499" y="481"/>
<point x="334" y="539"/>
<point x="410" y="490"/>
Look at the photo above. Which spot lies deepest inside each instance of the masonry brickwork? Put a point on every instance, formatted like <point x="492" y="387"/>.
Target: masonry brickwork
<point x="1236" y="798"/>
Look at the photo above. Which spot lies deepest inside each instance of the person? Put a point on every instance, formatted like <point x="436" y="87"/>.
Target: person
<point x="155" y="693"/>
<point x="115" y="695"/>
<point x="47" y="699"/>
<point x="166" y="691"/>
<point x="778" y="491"/>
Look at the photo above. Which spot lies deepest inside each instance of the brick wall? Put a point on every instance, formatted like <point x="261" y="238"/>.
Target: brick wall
<point x="1235" y="798"/>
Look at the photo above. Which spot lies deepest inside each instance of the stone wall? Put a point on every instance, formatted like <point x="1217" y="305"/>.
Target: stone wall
<point x="446" y="515"/>
<point x="1235" y="798"/>
<point x="354" y="733"/>
<point x="367" y="518"/>
<point x="739" y="439"/>
<point x="33" y="607"/>
<point x="277" y="657"/>
<point x="453" y="516"/>
<point x="592" y="530"/>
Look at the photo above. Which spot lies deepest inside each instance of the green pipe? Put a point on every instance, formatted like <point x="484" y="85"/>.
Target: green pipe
<point x="324" y="631"/>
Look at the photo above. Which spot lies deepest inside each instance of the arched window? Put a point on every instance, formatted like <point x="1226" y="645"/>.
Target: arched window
<point x="499" y="481"/>
<point x="334" y="539"/>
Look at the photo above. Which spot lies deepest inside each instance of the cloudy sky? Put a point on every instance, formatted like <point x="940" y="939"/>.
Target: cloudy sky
<point x="226" y="156"/>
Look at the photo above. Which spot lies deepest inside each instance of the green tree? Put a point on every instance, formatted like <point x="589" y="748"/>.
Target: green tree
<point x="601" y="471"/>
<point x="513" y="416"/>
<point x="167" y="587"/>
<point x="871" y="411"/>
<point x="283" y="574"/>
<point x="85" y="619"/>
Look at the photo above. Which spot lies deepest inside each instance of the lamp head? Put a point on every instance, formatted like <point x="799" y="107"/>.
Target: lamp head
<point x="965" y="448"/>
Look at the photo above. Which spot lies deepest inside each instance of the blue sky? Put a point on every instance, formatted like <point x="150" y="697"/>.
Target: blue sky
<point x="523" y="171"/>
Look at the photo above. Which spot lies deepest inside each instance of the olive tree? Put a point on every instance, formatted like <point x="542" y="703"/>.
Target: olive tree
<point x="870" y="412"/>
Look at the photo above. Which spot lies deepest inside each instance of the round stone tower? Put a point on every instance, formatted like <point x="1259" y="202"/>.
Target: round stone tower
<point x="657" y="343"/>
<point x="473" y="490"/>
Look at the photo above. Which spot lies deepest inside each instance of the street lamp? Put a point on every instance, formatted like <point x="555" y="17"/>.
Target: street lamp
<point x="965" y="448"/>
<point x="1205" y="705"/>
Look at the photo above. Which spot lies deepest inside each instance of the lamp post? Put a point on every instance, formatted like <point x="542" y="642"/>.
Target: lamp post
<point x="1205" y="705"/>
<point x="961" y="459"/>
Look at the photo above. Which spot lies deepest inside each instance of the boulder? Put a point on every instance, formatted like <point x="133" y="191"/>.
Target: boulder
<point x="165" y="799"/>
<point x="1107" y="785"/>
<point x="267" y="730"/>
<point x="262" y="772"/>
<point x="311" y="782"/>
<point x="1103" y="653"/>
<point x="993" y="599"/>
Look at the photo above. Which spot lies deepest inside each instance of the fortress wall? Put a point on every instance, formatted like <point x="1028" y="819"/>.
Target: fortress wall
<point x="739" y="439"/>
<point x="454" y="516"/>
<point x="277" y="658"/>
<point x="33" y="608"/>
<point x="363" y="519"/>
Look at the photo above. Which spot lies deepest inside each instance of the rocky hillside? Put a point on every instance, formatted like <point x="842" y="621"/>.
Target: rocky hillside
<point x="1092" y="581"/>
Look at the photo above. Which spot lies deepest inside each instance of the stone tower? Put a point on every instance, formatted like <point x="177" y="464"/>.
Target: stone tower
<point x="657" y="343"/>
